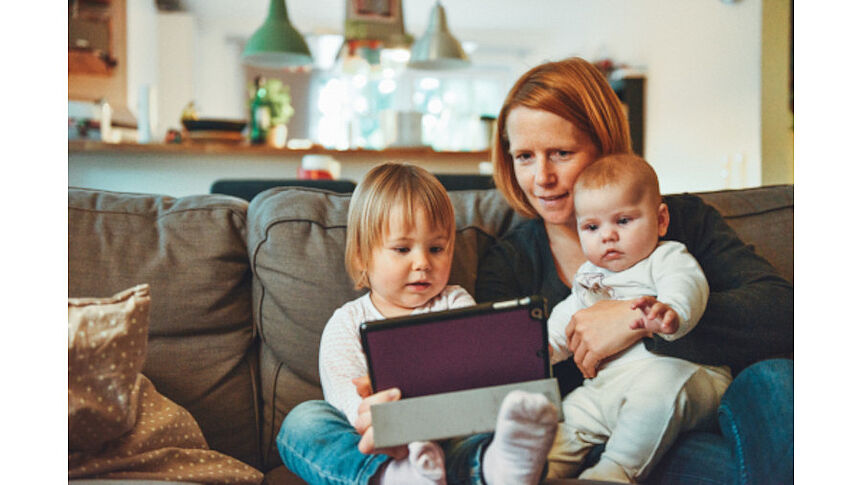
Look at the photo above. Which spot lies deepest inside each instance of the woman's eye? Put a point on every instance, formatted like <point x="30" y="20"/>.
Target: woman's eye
<point x="562" y="154"/>
<point x="522" y="157"/>
<point x="436" y="249"/>
<point x="401" y="250"/>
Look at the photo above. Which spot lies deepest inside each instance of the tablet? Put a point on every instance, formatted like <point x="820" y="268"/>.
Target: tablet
<point x="484" y="345"/>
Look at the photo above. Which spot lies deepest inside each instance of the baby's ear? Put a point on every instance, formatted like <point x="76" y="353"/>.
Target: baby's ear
<point x="663" y="219"/>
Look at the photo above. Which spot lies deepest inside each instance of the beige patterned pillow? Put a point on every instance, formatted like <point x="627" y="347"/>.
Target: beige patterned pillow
<point x="120" y="427"/>
<point x="107" y="348"/>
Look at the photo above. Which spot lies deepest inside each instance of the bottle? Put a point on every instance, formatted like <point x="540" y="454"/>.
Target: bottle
<point x="105" y="122"/>
<point x="260" y="113"/>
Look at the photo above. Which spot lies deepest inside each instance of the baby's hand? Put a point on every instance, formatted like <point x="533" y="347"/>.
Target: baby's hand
<point x="658" y="317"/>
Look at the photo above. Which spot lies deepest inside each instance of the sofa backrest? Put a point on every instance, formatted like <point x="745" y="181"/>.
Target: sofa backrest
<point x="763" y="219"/>
<point x="296" y="247"/>
<point x="192" y="252"/>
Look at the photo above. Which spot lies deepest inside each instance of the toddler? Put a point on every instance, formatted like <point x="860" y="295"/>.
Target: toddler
<point x="638" y="402"/>
<point x="400" y="242"/>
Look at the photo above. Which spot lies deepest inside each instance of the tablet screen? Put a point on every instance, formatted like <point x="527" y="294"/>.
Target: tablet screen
<point x="484" y="345"/>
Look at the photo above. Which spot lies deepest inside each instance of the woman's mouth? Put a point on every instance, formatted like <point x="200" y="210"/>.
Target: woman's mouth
<point x="552" y="201"/>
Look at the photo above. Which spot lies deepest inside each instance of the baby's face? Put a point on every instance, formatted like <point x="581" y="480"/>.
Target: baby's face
<point x="615" y="229"/>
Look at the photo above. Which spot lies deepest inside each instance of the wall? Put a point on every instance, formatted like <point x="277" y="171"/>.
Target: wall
<point x="702" y="62"/>
<point x="143" y="64"/>
<point x="176" y="45"/>
<point x="775" y="93"/>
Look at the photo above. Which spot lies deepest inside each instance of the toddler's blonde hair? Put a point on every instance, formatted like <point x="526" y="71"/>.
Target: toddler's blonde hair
<point x="385" y="186"/>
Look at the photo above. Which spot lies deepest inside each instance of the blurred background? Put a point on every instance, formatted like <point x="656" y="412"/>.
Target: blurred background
<point x="708" y="83"/>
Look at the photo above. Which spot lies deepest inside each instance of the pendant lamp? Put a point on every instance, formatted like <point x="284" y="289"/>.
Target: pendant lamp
<point x="276" y="43"/>
<point x="437" y="48"/>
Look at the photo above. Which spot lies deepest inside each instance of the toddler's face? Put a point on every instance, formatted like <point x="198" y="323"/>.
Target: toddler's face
<point x="410" y="267"/>
<point x="615" y="230"/>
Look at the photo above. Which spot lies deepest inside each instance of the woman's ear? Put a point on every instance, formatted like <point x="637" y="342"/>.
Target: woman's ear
<point x="663" y="219"/>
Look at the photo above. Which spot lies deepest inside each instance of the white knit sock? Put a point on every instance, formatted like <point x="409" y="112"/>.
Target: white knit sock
<point x="526" y="426"/>
<point x="424" y="465"/>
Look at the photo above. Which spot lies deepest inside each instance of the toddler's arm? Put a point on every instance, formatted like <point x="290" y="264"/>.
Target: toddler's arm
<point x="341" y="361"/>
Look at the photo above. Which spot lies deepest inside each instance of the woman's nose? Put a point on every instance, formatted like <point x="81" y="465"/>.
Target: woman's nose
<point x="544" y="173"/>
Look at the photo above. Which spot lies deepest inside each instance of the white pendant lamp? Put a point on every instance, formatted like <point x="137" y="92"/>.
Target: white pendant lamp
<point x="437" y="48"/>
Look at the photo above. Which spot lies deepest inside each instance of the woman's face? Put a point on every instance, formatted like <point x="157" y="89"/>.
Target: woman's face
<point x="549" y="154"/>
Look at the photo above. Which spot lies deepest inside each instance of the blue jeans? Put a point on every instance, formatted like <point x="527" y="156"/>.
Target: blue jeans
<point x="756" y="442"/>
<point x="318" y="444"/>
<point x="755" y="446"/>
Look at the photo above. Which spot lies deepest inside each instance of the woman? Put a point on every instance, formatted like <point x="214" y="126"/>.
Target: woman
<point x="557" y="119"/>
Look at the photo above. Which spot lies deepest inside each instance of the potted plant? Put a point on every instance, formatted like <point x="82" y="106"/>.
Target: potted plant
<point x="269" y="103"/>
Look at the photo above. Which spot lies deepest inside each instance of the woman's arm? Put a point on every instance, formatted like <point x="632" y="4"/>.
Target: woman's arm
<point x="520" y="264"/>
<point x="749" y="314"/>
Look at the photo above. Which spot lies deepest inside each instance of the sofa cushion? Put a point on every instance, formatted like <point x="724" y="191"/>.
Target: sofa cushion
<point x="763" y="218"/>
<point x="296" y="243"/>
<point x="192" y="253"/>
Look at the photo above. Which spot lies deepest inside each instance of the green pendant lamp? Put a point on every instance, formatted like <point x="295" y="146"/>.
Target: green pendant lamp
<point x="437" y="48"/>
<point x="276" y="43"/>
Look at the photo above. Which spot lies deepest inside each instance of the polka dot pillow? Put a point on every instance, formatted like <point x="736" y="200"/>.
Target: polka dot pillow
<point x="107" y="348"/>
<point x="120" y="427"/>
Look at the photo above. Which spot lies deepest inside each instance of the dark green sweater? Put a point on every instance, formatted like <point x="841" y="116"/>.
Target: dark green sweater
<point x="749" y="316"/>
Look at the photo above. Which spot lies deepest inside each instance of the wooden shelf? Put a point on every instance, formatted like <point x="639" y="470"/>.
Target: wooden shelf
<point x="244" y="149"/>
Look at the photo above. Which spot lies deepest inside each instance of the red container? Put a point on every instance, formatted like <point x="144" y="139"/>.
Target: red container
<point x="317" y="167"/>
<point x="304" y="174"/>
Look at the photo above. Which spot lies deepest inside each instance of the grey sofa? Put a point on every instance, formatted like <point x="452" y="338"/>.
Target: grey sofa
<point x="241" y="292"/>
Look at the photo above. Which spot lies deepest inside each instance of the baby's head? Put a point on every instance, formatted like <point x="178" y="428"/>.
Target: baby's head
<point x="400" y="237"/>
<point x="619" y="211"/>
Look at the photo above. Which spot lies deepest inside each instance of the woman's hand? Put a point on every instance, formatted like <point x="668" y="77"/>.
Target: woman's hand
<point x="602" y="330"/>
<point x="363" y="420"/>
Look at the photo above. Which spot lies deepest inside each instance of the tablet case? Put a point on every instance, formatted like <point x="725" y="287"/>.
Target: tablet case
<point x="489" y="344"/>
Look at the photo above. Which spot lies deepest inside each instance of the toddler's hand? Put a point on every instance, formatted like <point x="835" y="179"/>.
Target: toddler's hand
<point x="363" y="385"/>
<point x="363" y="420"/>
<point x="658" y="317"/>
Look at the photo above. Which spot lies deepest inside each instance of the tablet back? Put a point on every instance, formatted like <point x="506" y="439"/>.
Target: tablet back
<point x="485" y="345"/>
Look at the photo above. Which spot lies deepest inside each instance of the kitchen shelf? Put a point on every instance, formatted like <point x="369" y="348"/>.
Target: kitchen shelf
<point x="243" y="149"/>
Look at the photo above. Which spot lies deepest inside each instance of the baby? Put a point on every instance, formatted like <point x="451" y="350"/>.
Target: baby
<point x="639" y="402"/>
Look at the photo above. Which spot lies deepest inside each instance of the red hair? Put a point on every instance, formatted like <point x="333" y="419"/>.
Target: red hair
<point x="572" y="89"/>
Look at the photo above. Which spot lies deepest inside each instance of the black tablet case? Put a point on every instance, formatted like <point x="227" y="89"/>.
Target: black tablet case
<point x="484" y="345"/>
